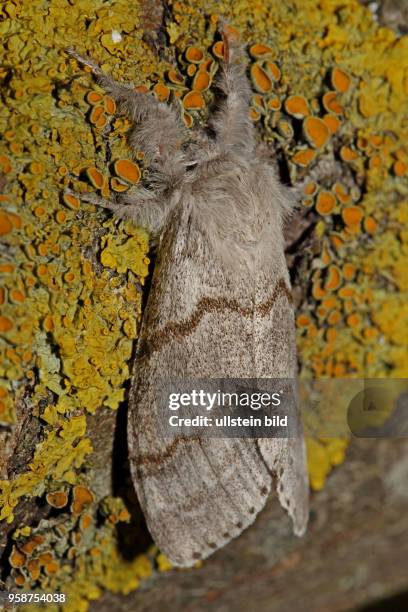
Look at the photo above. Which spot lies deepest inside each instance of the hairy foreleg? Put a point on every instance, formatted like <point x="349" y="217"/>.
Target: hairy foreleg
<point x="157" y="131"/>
<point x="142" y="209"/>
<point x="231" y="122"/>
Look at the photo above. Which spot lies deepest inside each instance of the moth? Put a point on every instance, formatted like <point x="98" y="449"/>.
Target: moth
<point x="219" y="307"/>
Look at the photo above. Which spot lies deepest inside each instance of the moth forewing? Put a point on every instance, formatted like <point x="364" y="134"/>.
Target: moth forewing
<point x="206" y="317"/>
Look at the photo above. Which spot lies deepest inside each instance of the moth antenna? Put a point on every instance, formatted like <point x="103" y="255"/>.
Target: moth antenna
<point x="86" y="60"/>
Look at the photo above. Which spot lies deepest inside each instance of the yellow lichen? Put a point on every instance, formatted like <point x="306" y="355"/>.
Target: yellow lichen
<point x="66" y="336"/>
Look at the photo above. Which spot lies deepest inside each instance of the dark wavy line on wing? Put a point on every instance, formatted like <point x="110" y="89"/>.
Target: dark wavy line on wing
<point x="182" y="329"/>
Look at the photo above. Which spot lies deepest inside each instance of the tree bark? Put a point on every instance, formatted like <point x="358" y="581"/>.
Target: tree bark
<point x="355" y="550"/>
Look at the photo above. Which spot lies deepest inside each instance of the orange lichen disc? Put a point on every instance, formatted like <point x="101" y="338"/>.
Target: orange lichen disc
<point x="304" y="157"/>
<point x="174" y="77"/>
<point x="254" y="114"/>
<point x="202" y="81"/>
<point x="162" y="92"/>
<point x="353" y="320"/>
<point x="193" y="100"/>
<point x="341" y="81"/>
<point x="399" y="167"/>
<point x="85" y="522"/>
<point x="102" y="121"/>
<point x="95" y="177"/>
<point x="127" y="170"/>
<point x="259" y="50"/>
<point x="17" y="558"/>
<point x="285" y="128"/>
<point x="32" y="544"/>
<point x="348" y="154"/>
<point x="375" y="161"/>
<point x="317" y="290"/>
<point x="370" y="225"/>
<point x="71" y="201"/>
<point x="310" y="188"/>
<point x="191" y="69"/>
<point x="332" y="122"/>
<point x="110" y="105"/>
<point x="6" y="225"/>
<point x="93" y="97"/>
<point x="307" y="202"/>
<point x="352" y="215"/>
<point x="188" y="120"/>
<point x="260" y="79"/>
<point x="58" y="499"/>
<point x="141" y="89"/>
<point x="95" y="114"/>
<point x="117" y="185"/>
<point x="274" y="70"/>
<point x="61" y="216"/>
<point x="334" y="278"/>
<point x="297" y="106"/>
<point x="325" y="203"/>
<point x="334" y="317"/>
<point x="303" y="320"/>
<point x="329" y="303"/>
<point x="349" y="271"/>
<point x="316" y="131"/>
<point x="258" y="101"/>
<point x="218" y="49"/>
<point x="194" y="54"/>
<point x="336" y="241"/>
<point x="51" y="568"/>
<point x="341" y="193"/>
<point x="83" y="497"/>
<point x="39" y="211"/>
<point x="274" y="103"/>
<point x="331" y="103"/>
<point x="5" y="164"/>
<point x="346" y="292"/>
<point x="376" y="140"/>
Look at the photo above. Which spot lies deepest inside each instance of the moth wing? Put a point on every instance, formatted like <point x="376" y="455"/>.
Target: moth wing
<point x="196" y="493"/>
<point x="286" y="458"/>
<point x="276" y="358"/>
<point x="199" y="493"/>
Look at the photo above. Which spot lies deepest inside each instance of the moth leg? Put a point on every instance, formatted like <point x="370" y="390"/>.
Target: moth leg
<point x="142" y="209"/>
<point x="145" y="209"/>
<point x="157" y="131"/>
<point x="93" y="198"/>
<point x="231" y="123"/>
